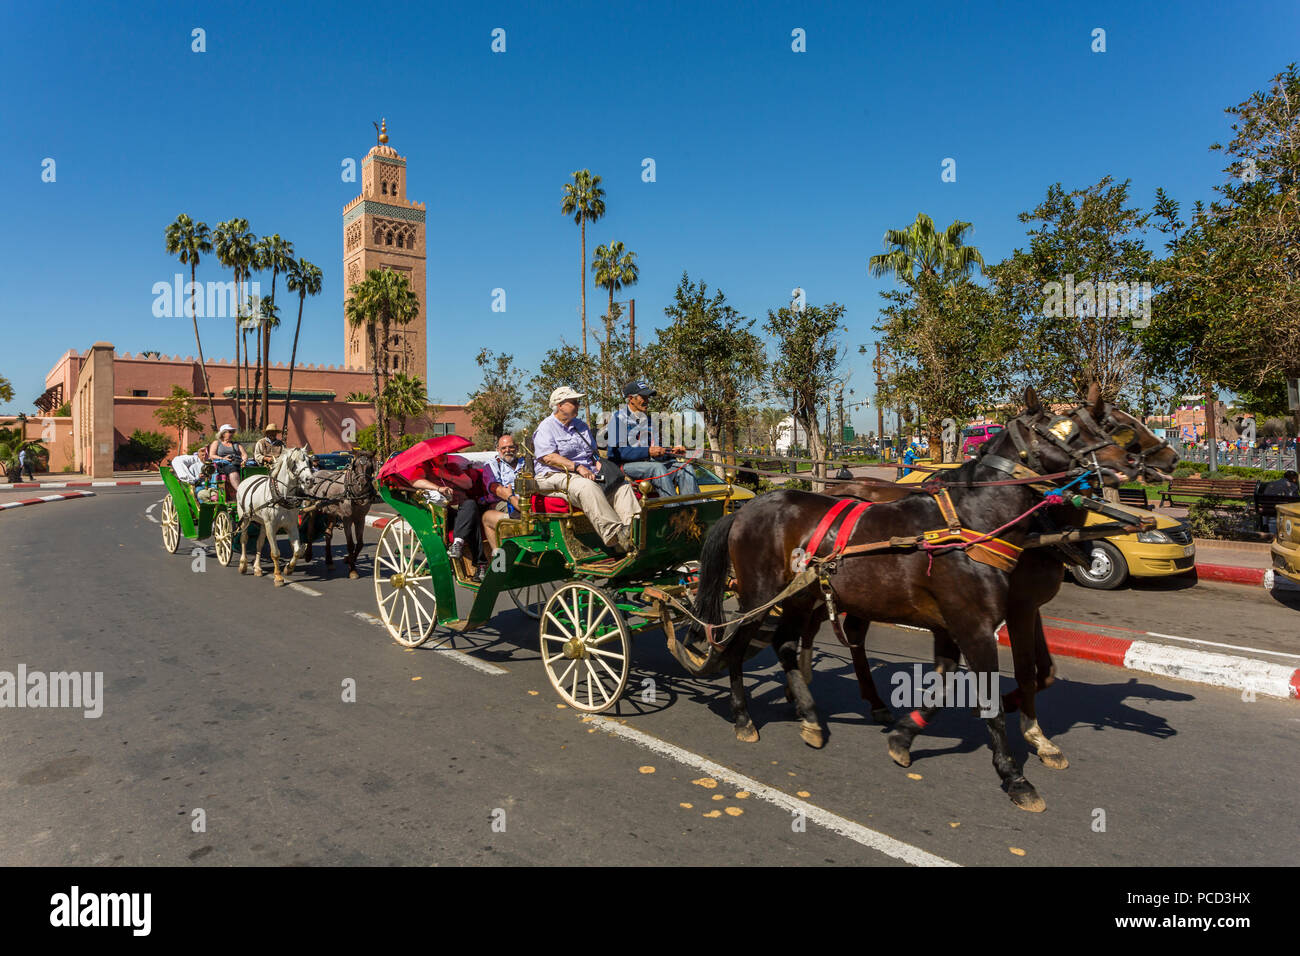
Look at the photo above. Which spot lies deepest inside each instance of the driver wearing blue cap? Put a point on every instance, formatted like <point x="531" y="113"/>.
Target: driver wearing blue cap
<point x="631" y="446"/>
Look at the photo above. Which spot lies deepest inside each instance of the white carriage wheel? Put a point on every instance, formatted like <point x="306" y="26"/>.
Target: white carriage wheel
<point x="585" y="647"/>
<point x="171" y="526"/>
<point x="403" y="585"/>
<point x="533" y="597"/>
<point x="223" y="537"/>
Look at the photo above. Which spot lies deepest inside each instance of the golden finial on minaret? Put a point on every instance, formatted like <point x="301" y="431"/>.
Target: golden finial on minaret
<point x="383" y="132"/>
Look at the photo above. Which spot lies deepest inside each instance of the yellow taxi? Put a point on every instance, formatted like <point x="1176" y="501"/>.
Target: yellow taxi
<point x="1285" y="548"/>
<point x="708" y="481"/>
<point x="1163" y="551"/>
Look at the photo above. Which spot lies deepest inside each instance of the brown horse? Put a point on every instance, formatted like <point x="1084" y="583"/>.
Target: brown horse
<point x="960" y="599"/>
<point x="350" y="493"/>
<point x="1035" y="581"/>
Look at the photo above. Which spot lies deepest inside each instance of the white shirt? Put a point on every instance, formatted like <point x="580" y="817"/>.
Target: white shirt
<point x="187" y="467"/>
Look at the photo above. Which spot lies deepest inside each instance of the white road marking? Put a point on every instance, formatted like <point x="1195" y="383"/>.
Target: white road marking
<point x="148" y="512"/>
<point x="836" y="824"/>
<point x="304" y="589"/>
<point x="460" y="657"/>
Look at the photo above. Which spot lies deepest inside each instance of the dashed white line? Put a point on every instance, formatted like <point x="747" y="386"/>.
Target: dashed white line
<point x="856" y="832"/>
<point x="460" y="657"/>
<point x="304" y="589"/>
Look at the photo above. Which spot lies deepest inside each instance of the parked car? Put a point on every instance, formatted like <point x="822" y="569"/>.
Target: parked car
<point x="331" y="461"/>
<point x="1285" y="548"/>
<point x="972" y="436"/>
<point x="1166" y="550"/>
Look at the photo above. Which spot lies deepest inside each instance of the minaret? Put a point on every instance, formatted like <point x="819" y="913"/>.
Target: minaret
<point x="383" y="230"/>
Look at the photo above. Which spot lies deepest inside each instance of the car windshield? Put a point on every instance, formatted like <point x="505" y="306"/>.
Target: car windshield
<point x="706" y="477"/>
<point x="972" y="432"/>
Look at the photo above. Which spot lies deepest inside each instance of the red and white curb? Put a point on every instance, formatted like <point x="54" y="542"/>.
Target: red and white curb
<point x="44" y="498"/>
<point x="78" y="484"/>
<point x="1230" y="573"/>
<point x="1201" y="667"/>
<point x="378" y="521"/>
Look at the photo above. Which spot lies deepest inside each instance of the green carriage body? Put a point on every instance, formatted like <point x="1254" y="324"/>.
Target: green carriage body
<point x="539" y="548"/>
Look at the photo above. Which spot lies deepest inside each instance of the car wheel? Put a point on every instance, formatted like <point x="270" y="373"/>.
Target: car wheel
<point x="1106" y="569"/>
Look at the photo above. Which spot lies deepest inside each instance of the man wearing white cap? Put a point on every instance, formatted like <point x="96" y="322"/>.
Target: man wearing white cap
<point x="567" y="464"/>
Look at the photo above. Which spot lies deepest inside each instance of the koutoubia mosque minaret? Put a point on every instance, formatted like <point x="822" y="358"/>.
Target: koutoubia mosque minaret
<point x="383" y="230"/>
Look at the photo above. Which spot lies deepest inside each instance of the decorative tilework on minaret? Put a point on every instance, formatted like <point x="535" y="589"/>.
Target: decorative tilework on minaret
<point x="384" y="230"/>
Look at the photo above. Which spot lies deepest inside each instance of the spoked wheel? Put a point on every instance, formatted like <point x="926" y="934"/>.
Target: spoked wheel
<point x="223" y="537"/>
<point x="532" y="599"/>
<point x="407" y="604"/>
<point x="585" y="647"/>
<point x="171" y="526"/>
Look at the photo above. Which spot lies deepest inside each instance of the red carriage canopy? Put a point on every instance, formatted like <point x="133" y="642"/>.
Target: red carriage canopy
<point x="409" y="464"/>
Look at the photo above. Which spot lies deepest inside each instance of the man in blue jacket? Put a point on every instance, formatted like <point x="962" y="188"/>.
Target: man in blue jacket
<point x="631" y="446"/>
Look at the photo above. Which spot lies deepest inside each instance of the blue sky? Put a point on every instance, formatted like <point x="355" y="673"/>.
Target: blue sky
<point x="774" y="168"/>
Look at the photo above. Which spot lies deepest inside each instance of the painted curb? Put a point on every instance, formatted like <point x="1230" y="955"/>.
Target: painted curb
<point x="78" y="484"/>
<point x="1230" y="573"/>
<point x="1201" y="667"/>
<point x="377" y="521"/>
<point x="44" y="498"/>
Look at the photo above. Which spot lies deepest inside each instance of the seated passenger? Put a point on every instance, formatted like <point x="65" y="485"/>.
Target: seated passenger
<point x="189" y="468"/>
<point x="631" y="449"/>
<point x="227" y="454"/>
<point x="567" y="464"/>
<point x="450" y="481"/>
<point x="501" y="500"/>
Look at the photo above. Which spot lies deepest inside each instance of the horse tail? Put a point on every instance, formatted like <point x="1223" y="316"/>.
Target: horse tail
<point x="715" y="559"/>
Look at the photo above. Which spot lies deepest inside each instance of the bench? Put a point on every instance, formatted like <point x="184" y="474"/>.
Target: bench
<point x="1266" y="505"/>
<point x="1238" y="489"/>
<point x="1135" y="497"/>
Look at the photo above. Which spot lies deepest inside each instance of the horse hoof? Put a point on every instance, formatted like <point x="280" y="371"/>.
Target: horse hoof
<point x="1054" y="761"/>
<point x="353" y="575"/>
<point x="882" y="715"/>
<point x="1028" y="799"/>
<point x="258" y="572"/>
<point x="898" y="751"/>
<point x="279" y="582"/>
<point x="747" y="734"/>
<point x="243" y="569"/>
<point x="812" y="735"/>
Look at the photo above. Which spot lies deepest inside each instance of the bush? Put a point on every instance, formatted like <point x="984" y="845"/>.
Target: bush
<point x="1185" y="469"/>
<point x="1215" y="517"/>
<point x="64" y="410"/>
<point x="143" y="449"/>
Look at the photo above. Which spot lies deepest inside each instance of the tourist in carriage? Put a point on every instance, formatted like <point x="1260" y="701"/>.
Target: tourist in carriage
<point x="567" y="464"/>
<point x="632" y="447"/>
<point x="227" y="454"/>
<point x="451" y="481"/>
<point x="189" y="468"/>
<point x="501" y="500"/>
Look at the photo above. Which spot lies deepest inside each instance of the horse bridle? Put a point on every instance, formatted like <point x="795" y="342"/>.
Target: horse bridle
<point x="1130" y="442"/>
<point x="1062" y="432"/>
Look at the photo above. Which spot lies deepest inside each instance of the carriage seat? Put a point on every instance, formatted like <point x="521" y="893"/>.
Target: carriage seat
<point x="544" y="504"/>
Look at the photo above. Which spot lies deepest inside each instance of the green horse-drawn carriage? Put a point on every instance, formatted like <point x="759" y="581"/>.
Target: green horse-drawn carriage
<point x="202" y="511"/>
<point x="588" y="603"/>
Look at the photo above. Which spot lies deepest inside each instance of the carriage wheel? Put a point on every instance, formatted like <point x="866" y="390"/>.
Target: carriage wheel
<point x="532" y="598"/>
<point x="223" y="537"/>
<point x="171" y="526"/>
<point x="585" y="647"/>
<point x="407" y="605"/>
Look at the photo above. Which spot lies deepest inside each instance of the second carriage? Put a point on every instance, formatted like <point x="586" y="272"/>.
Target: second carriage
<point x="588" y="603"/>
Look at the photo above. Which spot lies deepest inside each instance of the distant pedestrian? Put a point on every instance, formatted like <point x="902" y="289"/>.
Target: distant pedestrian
<point x="25" y="464"/>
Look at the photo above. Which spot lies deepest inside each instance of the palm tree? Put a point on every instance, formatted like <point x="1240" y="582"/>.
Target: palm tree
<point x="405" y="397"/>
<point x="585" y="201"/>
<point x="234" y="247"/>
<point x="359" y="310"/>
<point x="305" y="279"/>
<point x="920" y="249"/>
<point x="263" y="316"/>
<point x="189" y="240"/>
<point x="613" y="269"/>
<point x="277" y="255"/>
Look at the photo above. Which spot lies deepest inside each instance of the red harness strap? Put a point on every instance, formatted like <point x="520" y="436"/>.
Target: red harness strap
<point x="846" y="529"/>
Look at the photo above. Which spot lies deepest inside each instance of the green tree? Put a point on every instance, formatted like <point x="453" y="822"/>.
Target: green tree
<point x="562" y="365"/>
<point x="498" y="400"/>
<point x="6" y="390"/>
<point x="381" y="300"/>
<point x="614" y="269"/>
<point x="305" y="279"/>
<point x="404" y="397"/>
<point x="177" y="411"/>
<point x="584" y="199"/>
<point x="1228" y="313"/>
<point x="808" y="358"/>
<point x="234" y="246"/>
<point x="276" y="255"/>
<point x="190" y="240"/>
<point x="709" y="357"/>
<point x="1089" y="241"/>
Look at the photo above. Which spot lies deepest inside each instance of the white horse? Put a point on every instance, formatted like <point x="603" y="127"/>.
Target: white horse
<point x="260" y="500"/>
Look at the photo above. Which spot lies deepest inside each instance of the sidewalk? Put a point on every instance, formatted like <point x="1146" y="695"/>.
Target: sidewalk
<point x="78" y="480"/>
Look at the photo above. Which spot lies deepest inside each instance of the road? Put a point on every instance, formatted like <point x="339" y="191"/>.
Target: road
<point x="224" y="694"/>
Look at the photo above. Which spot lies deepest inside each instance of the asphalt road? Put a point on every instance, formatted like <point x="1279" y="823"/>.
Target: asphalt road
<point x="223" y="693"/>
